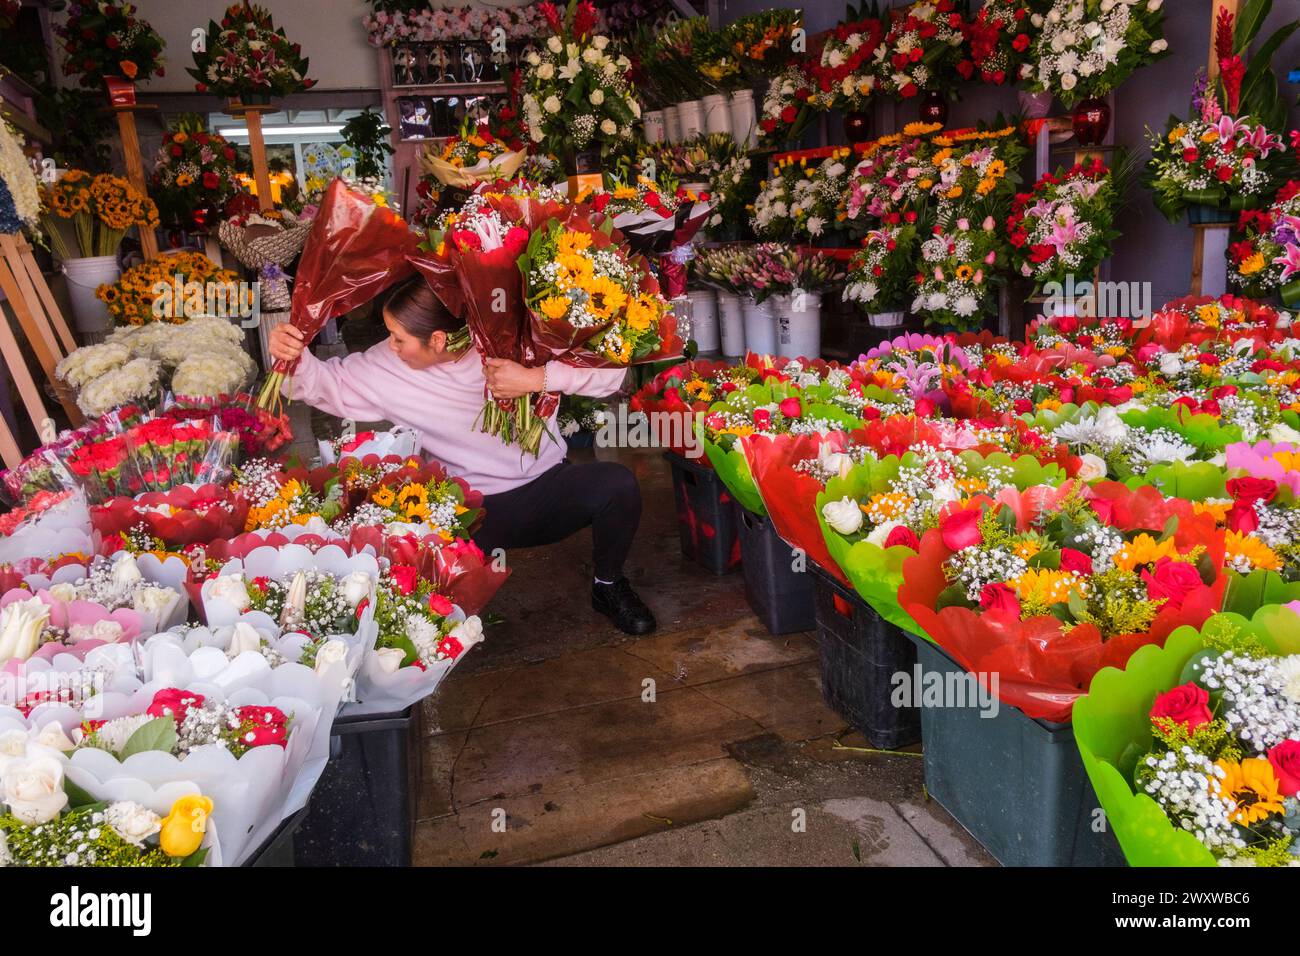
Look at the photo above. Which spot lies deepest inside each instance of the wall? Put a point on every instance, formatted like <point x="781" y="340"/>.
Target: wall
<point x="1151" y="249"/>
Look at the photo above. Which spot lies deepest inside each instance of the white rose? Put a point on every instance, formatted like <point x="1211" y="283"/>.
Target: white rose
<point x="21" y="624"/>
<point x="546" y="71"/>
<point x="1155" y="5"/>
<point x="132" y="822"/>
<point x="554" y="44"/>
<point x="1286" y="433"/>
<point x="835" y="462"/>
<point x="126" y="572"/>
<point x="1159" y="46"/>
<point x="52" y="735"/>
<point x="330" y="653"/>
<point x="533" y="58"/>
<point x="551" y="104"/>
<point x="608" y="127"/>
<point x="108" y="631"/>
<point x="635" y="106"/>
<point x="600" y="42"/>
<point x="591" y="54"/>
<point x="844" y="515"/>
<point x="597" y="97"/>
<point x="34" y="789"/>
<point x="1092" y="468"/>
<point x="295" y="601"/>
<point x="356" y="587"/>
<point x="64" y="591"/>
<point x="13" y="743"/>
<point x="153" y="599"/>
<point x="468" y="631"/>
<point x="230" y="588"/>
<point x="881" y="532"/>
<point x="243" y="637"/>
<point x="390" y="659"/>
<point x="1170" y="364"/>
<point x="1069" y="81"/>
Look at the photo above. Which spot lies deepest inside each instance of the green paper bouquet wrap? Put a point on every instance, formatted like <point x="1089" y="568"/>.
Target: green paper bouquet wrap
<point x="1191" y="481"/>
<point x="1206" y="432"/>
<point x="876" y="572"/>
<point x="1112" y="727"/>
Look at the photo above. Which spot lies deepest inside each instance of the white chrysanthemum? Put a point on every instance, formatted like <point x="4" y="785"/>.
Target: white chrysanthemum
<point x="1289" y="668"/>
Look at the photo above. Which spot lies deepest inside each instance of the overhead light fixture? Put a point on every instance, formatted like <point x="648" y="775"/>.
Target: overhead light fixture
<point x="326" y="130"/>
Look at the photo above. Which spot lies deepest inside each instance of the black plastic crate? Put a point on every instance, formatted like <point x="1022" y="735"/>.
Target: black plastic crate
<point x="706" y="515"/>
<point x="1016" y="783"/>
<point x="860" y="654"/>
<point x="363" y="808"/>
<point x="781" y="596"/>
<point x="277" y="849"/>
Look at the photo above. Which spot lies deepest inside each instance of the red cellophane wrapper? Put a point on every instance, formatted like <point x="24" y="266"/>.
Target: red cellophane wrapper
<point x="1172" y="327"/>
<point x="199" y="515"/>
<point x="560" y="340"/>
<point x="354" y="250"/>
<point x="1042" y="668"/>
<point x="458" y="569"/>
<point x="791" y="496"/>
<point x="662" y="395"/>
<point x="471" y="282"/>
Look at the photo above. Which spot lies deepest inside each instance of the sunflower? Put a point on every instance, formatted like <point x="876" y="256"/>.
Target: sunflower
<point x="606" y="296"/>
<point x="290" y="490"/>
<point x="1239" y="547"/>
<point x="554" y="306"/>
<point x="1253" y="786"/>
<point x="417" y="509"/>
<point x="1045" y="586"/>
<point x="640" y="312"/>
<point x="1026" y="549"/>
<point x="965" y="273"/>
<point x="383" y="496"/>
<point x="1145" y="549"/>
<point x="1218" y="508"/>
<point x="414" y="491"/>
<point x="572" y="243"/>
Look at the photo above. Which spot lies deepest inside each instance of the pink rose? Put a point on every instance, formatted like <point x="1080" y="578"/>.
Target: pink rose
<point x="960" y="529"/>
<point x="1285" y="758"/>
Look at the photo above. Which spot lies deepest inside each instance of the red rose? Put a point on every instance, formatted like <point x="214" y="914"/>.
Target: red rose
<point x="177" y="151"/>
<point x="789" y="114"/>
<point x="960" y="529"/>
<point x="791" y="408"/>
<point x="908" y="91"/>
<point x="1242" y="518"/>
<point x="439" y="605"/>
<point x="1022" y="406"/>
<point x="1076" y="561"/>
<point x="1188" y="705"/>
<point x="1223" y="391"/>
<point x="1252" y="489"/>
<point x="1021" y="43"/>
<point x="762" y="418"/>
<point x="1285" y="758"/>
<point x="728" y="387"/>
<point x="404" y="577"/>
<point x="600" y="202"/>
<point x="1105" y="509"/>
<point x="229" y="153"/>
<point x="999" y="597"/>
<point x="515" y="240"/>
<point x="1191" y="154"/>
<point x="1041" y="253"/>
<point x="1173" y="580"/>
<point x="173" y="702"/>
<point x="925" y="408"/>
<point x="262" y="725"/>
<point x="1224" y="173"/>
<point x="211" y="180"/>
<point x="905" y="536"/>
<point x="769" y="125"/>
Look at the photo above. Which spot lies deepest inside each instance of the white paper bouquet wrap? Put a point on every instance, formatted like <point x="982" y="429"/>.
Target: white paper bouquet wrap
<point x="63" y="528"/>
<point x="399" y="440"/>
<point x="251" y="794"/>
<point x="315" y="526"/>
<point x="502" y="166"/>
<point x="169" y="574"/>
<point x="70" y="676"/>
<point x="381" y="690"/>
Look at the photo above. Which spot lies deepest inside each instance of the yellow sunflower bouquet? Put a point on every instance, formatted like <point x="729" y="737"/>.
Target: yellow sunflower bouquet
<point x="590" y="301"/>
<point x="100" y="209"/>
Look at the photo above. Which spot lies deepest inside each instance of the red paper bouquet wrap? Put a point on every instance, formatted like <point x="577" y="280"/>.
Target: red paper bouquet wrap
<point x="1044" y="668"/>
<point x="200" y="515"/>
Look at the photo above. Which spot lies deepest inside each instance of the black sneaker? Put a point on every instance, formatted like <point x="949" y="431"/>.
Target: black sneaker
<point x="620" y="604"/>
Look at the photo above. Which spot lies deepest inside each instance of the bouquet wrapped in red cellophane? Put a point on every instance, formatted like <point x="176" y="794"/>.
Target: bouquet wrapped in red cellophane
<point x="355" y="249"/>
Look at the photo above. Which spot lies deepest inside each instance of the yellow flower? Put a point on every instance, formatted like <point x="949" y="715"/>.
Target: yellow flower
<point x="415" y="491"/>
<point x="1210" y="135"/>
<point x="290" y="490"/>
<point x="624" y="192"/>
<point x="1145" y="549"/>
<point x="571" y="243"/>
<point x="1177" y="133"/>
<point x="1050" y="404"/>
<point x="1045" y="586"/>
<point x="887" y="507"/>
<point x="1253" y="786"/>
<point x="183" y="828"/>
<point x="965" y="272"/>
<point x="383" y="496"/>
<point x="1252" y="264"/>
<point x="606" y="296"/>
<point x="941" y="157"/>
<point x="955" y="192"/>
<point x="997" y="169"/>
<point x="1217" y="509"/>
<point x="1239" y="547"/>
<point x="554" y="307"/>
<point x="986" y="186"/>
<point x="641" y="313"/>
<point x="418" y="510"/>
<point x="925" y="183"/>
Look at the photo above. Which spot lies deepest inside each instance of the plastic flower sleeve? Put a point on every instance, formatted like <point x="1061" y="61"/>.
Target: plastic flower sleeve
<point x="733" y="469"/>
<point x="1191" y="481"/>
<point x="180" y="517"/>
<point x="1247" y="593"/>
<point x="1112" y="728"/>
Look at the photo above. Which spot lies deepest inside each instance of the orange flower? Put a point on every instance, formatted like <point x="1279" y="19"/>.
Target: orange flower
<point x="129" y="69"/>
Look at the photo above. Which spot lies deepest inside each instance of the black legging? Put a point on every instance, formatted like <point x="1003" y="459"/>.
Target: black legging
<point x="568" y="497"/>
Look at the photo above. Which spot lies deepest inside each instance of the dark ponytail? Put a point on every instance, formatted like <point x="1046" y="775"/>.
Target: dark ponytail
<point x="414" y="307"/>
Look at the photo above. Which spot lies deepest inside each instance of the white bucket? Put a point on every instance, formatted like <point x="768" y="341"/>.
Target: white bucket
<point x="690" y="115"/>
<point x="744" y="119"/>
<point x="672" y="124"/>
<point x="798" y="324"/>
<point x="717" y="114"/>
<point x="704" y="319"/>
<point x="886" y="320"/>
<point x="89" y="314"/>
<point x="654" y="126"/>
<point x="760" y="329"/>
<point x="731" y="324"/>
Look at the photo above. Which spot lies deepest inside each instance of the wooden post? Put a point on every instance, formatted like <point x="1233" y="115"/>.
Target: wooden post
<point x="19" y="289"/>
<point x="19" y="251"/>
<point x="252" y="116"/>
<point x="135" y="167"/>
<point x="31" y="396"/>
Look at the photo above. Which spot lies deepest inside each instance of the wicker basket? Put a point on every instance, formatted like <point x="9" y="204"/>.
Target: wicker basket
<point x="266" y="251"/>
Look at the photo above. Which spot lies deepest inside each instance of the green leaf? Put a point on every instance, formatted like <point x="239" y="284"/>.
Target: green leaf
<point x="1078" y="606"/>
<point x="76" y="796"/>
<point x="952" y="596"/>
<point x="1260" y="71"/>
<point x="196" y="858"/>
<point x="1249" y="20"/>
<point x="157" y="734"/>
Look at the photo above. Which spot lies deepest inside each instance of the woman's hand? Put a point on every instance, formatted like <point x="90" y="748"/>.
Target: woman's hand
<point x="287" y="342"/>
<point x="509" y="379"/>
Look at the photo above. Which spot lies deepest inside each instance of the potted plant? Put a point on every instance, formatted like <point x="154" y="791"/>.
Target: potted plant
<point x="881" y="274"/>
<point x="248" y="59"/>
<point x="110" y="44"/>
<point x="196" y="174"/>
